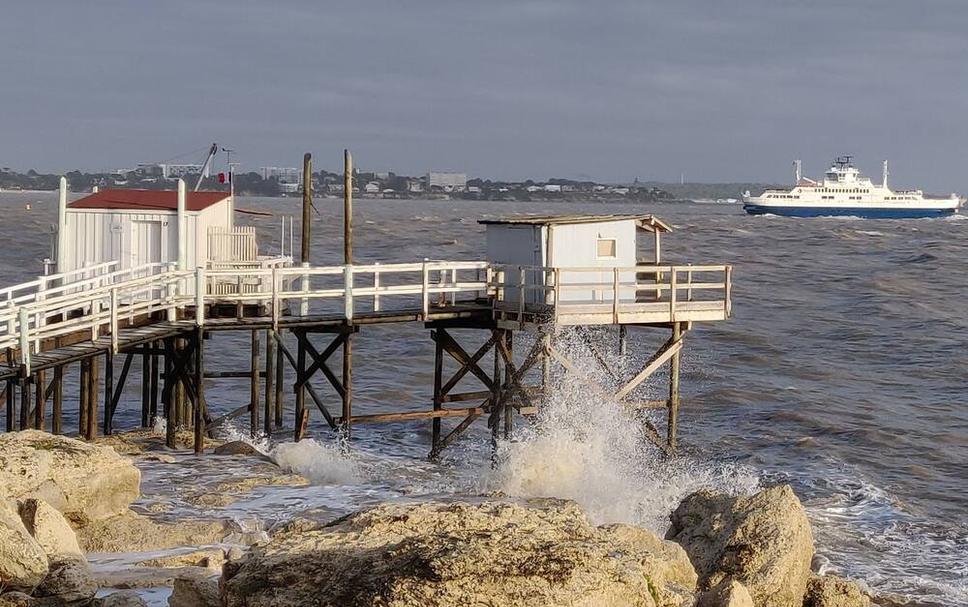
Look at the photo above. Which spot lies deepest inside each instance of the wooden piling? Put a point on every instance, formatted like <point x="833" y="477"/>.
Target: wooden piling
<point x="347" y="385"/>
<point x="307" y="203"/>
<point x="270" y="375"/>
<point x="198" y="420"/>
<point x="11" y="404"/>
<point x="108" y="391"/>
<point x="622" y="340"/>
<point x="168" y="395"/>
<point x="674" y="389"/>
<point x="57" y="405"/>
<point x="25" y="403"/>
<point x="438" y="394"/>
<point x="41" y="400"/>
<point x="153" y="399"/>
<point x="508" y="374"/>
<point x="254" y="385"/>
<point x="84" y="392"/>
<point x="300" y="389"/>
<point x="280" y="379"/>
<point x="92" y="399"/>
<point x="145" y="390"/>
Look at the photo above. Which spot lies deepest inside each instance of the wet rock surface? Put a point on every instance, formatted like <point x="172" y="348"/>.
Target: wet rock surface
<point x="133" y="532"/>
<point x="23" y="562"/>
<point x="86" y="482"/>
<point x="833" y="591"/>
<point x="542" y="552"/>
<point x="195" y="591"/>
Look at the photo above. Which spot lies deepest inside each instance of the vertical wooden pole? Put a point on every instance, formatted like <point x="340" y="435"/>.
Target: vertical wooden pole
<point x="57" y="408"/>
<point x="40" y="380"/>
<point x="176" y="419"/>
<point x="545" y="365"/>
<point x="438" y="384"/>
<point x="108" y="391"/>
<point x="495" y="415"/>
<point x="11" y="404"/>
<point x="280" y="379"/>
<point x="270" y="380"/>
<point x="674" y="389"/>
<point x="254" y="385"/>
<point x="199" y="421"/>
<point x="153" y="399"/>
<point x="307" y="203"/>
<point x="508" y="400"/>
<point x="92" y="400"/>
<point x="146" y="389"/>
<point x="84" y="392"/>
<point x="347" y="385"/>
<point x="25" y="403"/>
<point x="347" y="207"/>
<point x="622" y="340"/>
<point x="168" y="395"/>
<point x="300" y="386"/>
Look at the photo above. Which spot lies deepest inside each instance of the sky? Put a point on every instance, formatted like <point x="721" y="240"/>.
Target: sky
<point x="611" y="91"/>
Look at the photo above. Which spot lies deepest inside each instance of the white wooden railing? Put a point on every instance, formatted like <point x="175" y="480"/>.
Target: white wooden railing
<point x="103" y="303"/>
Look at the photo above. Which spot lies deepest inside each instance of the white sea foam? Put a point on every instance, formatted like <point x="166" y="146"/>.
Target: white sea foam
<point x="318" y="462"/>
<point x="587" y="447"/>
<point x="160" y="426"/>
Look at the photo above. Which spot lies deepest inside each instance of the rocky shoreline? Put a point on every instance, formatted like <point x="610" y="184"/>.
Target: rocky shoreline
<point x="61" y="498"/>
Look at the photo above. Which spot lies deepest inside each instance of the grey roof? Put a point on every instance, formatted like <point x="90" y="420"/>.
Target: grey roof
<point x="645" y="222"/>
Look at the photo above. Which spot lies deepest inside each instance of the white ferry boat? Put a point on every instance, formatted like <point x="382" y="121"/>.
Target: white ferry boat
<point x="843" y="192"/>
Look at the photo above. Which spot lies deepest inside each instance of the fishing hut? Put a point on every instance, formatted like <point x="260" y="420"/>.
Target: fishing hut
<point x="539" y="274"/>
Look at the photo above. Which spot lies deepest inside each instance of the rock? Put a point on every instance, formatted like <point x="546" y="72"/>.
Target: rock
<point x="729" y="593"/>
<point x="538" y="552"/>
<point x="132" y="532"/>
<point x="16" y="599"/>
<point x="194" y="591"/>
<point x="762" y="541"/>
<point x="146" y="577"/>
<point x="237" y="447"/>
<point x="23" y="563"/>
<point x="84" y="481"/>
<point x="49" y="528"/>
<point x="832" y="591"/>
<point x="210" y="558"/>
<point x="125" y="598"/>
<point x="70" y="580"/>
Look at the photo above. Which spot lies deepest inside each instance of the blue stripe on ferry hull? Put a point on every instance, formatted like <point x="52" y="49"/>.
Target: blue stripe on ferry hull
<point x="755" y="209"/>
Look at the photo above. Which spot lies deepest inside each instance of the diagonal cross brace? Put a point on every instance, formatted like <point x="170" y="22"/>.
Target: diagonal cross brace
<point x="467" y="364"/>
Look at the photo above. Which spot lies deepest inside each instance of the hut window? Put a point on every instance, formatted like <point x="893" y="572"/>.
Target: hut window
<point x="606" y="248"/>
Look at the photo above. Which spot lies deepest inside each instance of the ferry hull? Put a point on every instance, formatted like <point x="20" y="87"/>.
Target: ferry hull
<point x="869" y="213"/>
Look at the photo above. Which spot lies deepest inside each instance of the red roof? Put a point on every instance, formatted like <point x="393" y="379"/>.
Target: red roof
<point x="147" y="199"/>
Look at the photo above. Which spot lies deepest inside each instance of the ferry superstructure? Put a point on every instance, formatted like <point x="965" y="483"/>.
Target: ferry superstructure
<point x="844" y="192"/>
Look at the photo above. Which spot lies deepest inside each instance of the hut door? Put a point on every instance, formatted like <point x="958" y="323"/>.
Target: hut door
<point x="145" y="243"/>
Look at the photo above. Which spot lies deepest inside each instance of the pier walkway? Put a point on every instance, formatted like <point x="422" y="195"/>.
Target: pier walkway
<point x="158" y="311"/>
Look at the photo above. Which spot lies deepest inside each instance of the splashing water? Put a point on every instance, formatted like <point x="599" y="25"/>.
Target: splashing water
<point x="320" y="463"/>
<point x="588" y="447"/>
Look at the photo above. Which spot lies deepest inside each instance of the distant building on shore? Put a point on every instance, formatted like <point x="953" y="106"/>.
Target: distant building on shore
<point x="441" y="181"/>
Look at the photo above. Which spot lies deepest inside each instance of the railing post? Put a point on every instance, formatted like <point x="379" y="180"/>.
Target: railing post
<point x="170" y="287"/>
<point x="40" y="321"/>
<point x="728" y="304"/>
<point x="12" y="323"/>
<point x="200" y="289"/>
<point x="304" y="283"/>
<point x="114" y="320"/>
<point x="521" y="296"/>
<point x="425" y="290"/>
<point x="24" y="340"/>
<point x="557" y="292"/>
<point x="673" y="271"/>
<point x="615" y="275"/>
<point x="275" y="300"/>
<point x="689" y="282"/>
<point x="376" y="288"/>
<point x="348" y="292"/>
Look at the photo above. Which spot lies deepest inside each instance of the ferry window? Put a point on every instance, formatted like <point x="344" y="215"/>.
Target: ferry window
<point x="607" y="248"/>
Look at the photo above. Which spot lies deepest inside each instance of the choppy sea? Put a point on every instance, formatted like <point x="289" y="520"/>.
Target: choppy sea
<point x="842" y="372"/>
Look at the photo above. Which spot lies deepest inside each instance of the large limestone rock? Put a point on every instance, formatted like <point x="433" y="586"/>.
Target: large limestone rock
<point x="133" y="532"/>
<point x="832" y="591"/>
<point x="49" y="528"/>
<point x="729" y="593"/>
<point x="126" y="598"/>
<point x="23" y="563"/>
<point x="762" y="541"/>
<point x="84" y="481"/>
<point x="194" y="591"/>
<point x="540" y="552"/>
<point x="70" y="581"/>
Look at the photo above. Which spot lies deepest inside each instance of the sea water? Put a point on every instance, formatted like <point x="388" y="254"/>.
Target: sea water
<point x="842" y="372"/>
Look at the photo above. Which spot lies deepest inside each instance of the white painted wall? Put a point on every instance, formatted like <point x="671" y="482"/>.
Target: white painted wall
<point x="567" y="245"/>
<point x="97" y="235"/>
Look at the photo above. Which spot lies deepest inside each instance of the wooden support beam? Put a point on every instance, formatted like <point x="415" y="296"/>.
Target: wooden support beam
<point x="422" y="415"/>
<point x="57" y="405"/>
<point x="467" y="364"/>
<point x="300" y="388"/>
<point x="153" y="405"/>
<point x="41" y="405"/>
<point x="598" y="356"/>
<point x="453" y="434"/>
<point x="200" y="408"/>
<point x="668" y="350"/>
<point x="438" y="393"/>
<point x="11" y="405"/>
<point x="84" y="393"/>
<point x="167" y="393"/>
<point x="270" y="376"/>
<point x="24" y="404"/>
<point x="115" y="397"/>
<point x="108" y="390"/>
<point x="145" y="390"/>
<point x="280" y="379"/>
<point x="306" y="386"/>
<point x="347" y="425"/>
<point x="515" y="375"/>
<point x="494" y="416"/>
<point x="224" y="418"/>
<point x="92" y="400"/>
<point x="254" y="384"/>
<point x="673" y="419"/>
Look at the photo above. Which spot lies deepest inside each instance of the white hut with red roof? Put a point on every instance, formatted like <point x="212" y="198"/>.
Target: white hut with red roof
<point x="138" y="227"/>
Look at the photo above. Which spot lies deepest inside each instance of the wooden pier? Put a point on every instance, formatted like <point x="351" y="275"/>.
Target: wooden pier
<point x="308" y="315"/>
